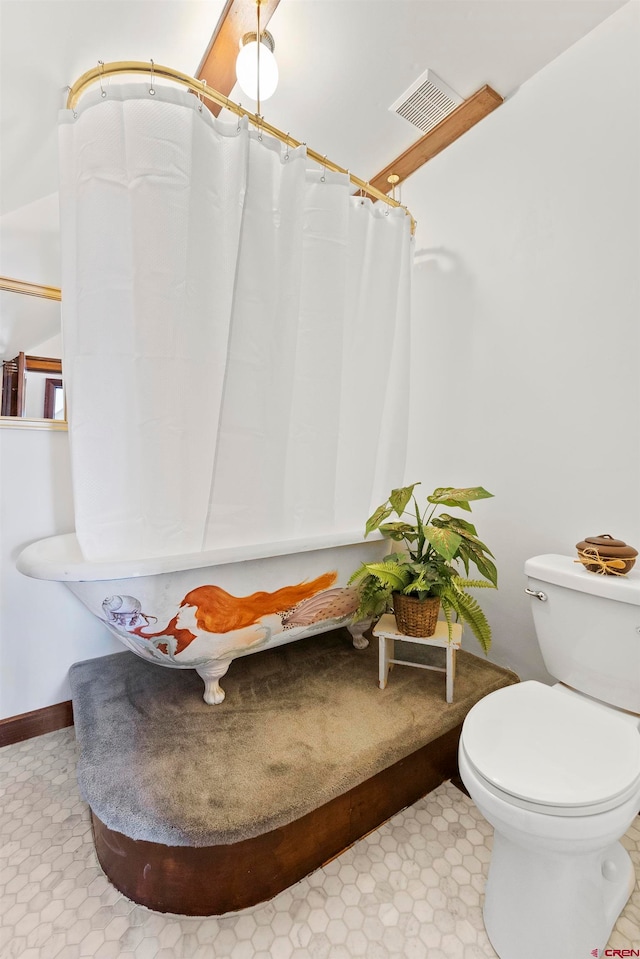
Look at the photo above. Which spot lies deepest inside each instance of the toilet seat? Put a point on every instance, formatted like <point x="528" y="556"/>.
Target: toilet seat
<point x="539" y="748"/>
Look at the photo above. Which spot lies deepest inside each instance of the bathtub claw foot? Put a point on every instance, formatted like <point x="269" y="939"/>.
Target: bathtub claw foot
<point x="213" y="692"/>
<point x="357" y="631"/>
<point x="211" y="674"/>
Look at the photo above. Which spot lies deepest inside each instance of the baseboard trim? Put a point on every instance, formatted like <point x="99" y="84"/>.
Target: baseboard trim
<point x="15" y="729"/>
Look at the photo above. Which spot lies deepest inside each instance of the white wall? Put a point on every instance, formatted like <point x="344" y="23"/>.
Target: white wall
<point x="43" y="627"/>
<point x="29" y="250"/>
<point x="527" y="312"/>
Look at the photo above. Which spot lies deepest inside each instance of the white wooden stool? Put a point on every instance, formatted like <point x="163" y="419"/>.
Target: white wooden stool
<point x="387" y="632"/>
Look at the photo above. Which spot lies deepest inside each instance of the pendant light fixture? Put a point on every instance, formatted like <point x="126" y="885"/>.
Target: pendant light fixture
<point x="256" y="67"/>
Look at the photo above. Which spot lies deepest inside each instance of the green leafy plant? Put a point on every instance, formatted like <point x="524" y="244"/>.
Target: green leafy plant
<point x="435" y="547"/>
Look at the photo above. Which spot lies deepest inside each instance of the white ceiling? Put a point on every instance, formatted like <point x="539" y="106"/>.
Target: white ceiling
<point x="342" y="63"/>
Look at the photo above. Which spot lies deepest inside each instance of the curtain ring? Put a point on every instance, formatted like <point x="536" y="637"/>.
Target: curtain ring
<point x="152" y="92"/>
<point x="103" y="92"/>
<point x="324" y="169"/>
<point x="238" y="126"/>
<point x="204" y="83"/>
<point x="286" y="156"/>
<point x="73" y="109"/>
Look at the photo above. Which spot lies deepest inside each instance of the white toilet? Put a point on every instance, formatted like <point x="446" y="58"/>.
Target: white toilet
<point x="556" y="769"/>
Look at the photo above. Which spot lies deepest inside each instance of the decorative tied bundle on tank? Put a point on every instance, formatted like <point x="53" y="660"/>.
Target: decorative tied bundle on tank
<point x="605" y="555"/>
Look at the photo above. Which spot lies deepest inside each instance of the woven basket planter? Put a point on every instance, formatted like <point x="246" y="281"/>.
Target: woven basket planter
<point x="416" y="617"/>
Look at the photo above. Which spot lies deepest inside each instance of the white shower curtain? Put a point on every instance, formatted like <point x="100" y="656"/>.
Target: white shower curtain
<point x="235" y="332"/>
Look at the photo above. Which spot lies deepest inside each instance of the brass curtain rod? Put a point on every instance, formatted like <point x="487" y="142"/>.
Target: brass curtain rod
<point x="30" y="289"/>
<point x="153" y="70"/>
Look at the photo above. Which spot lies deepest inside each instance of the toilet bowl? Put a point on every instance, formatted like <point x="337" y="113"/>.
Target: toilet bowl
<point x="558" y="777"/>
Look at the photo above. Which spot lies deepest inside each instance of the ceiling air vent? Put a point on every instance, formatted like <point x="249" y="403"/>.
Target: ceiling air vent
<point x="427" y="101"/>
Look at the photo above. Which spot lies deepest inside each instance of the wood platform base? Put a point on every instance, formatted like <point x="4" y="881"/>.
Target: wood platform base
<point x="213" y="880"/>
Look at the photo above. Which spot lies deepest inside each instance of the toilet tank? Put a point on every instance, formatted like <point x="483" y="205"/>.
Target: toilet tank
<point x="588" y="628"/>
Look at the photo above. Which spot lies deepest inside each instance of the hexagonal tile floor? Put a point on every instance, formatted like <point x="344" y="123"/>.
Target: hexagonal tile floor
<point x="411" y="889"/>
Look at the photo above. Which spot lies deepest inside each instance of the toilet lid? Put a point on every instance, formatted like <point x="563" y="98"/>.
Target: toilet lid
<point x="547" y="747"/>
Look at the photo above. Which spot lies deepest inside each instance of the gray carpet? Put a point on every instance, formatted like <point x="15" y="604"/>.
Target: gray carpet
<point x="301" y="724"/>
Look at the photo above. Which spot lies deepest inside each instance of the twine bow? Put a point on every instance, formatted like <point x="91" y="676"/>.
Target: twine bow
<point x="591" y="557"/>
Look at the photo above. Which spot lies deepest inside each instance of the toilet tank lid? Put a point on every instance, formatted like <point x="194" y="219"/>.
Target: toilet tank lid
<point x="569" y="572"/>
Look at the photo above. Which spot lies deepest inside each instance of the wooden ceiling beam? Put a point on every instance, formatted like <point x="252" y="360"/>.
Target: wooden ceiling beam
<point x="217" y="68"/>
<point x="218" y="65"/>
<point x="465" y="116"/>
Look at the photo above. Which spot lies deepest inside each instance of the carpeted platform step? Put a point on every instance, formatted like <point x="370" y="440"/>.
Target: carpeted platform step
<point x="305" y="755"/>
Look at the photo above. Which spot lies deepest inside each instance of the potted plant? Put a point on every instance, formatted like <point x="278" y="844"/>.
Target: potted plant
<point x="427" y="573"/>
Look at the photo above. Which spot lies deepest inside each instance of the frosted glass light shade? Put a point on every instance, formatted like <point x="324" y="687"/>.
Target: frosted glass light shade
<point x="247" y="71"/>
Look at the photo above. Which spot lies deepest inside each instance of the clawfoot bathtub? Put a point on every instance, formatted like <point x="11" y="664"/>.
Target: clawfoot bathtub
<point x="203" y="610"/>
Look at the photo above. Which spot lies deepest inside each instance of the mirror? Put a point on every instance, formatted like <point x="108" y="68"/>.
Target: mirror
<point x="32" y="388"/>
